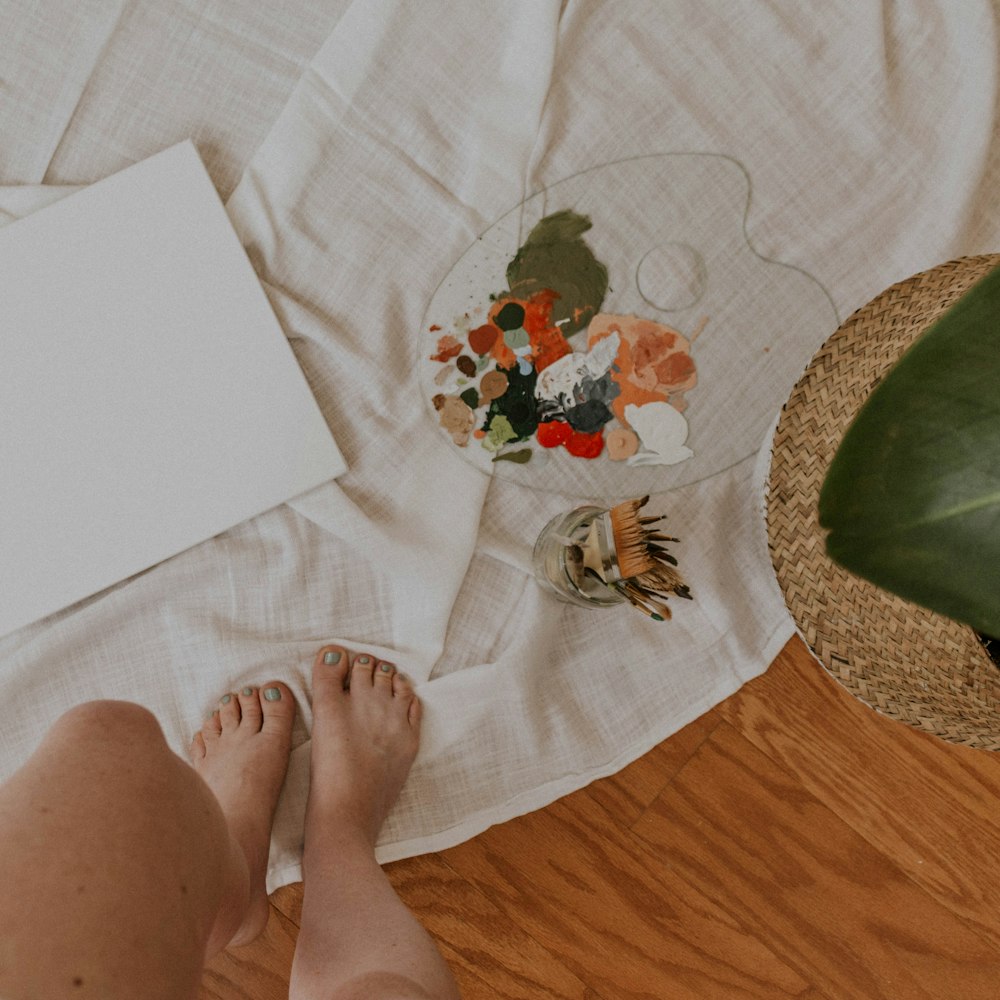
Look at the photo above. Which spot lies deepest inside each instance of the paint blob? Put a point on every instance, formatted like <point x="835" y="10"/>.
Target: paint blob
<point x="499" y="432"/>
<point x="510" y="316"/>
<point x="553" y="433"/>
<point x="447" y="348"/>
<point x="585" y="445"/>
<point x="517" y="338"/>
<point x="519" y="457"/>
<point x="492" y="385"/>
<point x="457" y="418"/>
<point x="662" y="431"/>
<point x="621" y="443"/>
<point x="555" y="257"/>
<point x="482" y="339"/>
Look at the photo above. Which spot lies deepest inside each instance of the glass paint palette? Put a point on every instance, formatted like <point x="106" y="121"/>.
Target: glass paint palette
<point x="616" y="334"/>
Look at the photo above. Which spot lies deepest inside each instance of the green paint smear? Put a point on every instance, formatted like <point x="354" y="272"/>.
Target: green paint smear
<point x="522" y="456"/>
<point x="515" y="339"/>
<point x="555" y="256"/>
<point x="499" y="433"/>
<point x="471" y="398"/>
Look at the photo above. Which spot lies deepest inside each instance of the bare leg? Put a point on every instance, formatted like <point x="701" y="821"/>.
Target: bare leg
<point x="358" y="941"/>
<point x="122" y="869"/>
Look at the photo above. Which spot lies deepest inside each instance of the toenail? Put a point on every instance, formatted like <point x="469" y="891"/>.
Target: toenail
<point x="226" y="699"/>
<point x="247" y="692"/>
<point x="272" y="694"/>
<point x="330" y="658"/>
<point x="364" y="659"/>
<point x="385" y="667"/>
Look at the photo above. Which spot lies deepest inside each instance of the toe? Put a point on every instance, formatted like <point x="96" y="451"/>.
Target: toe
<point x="252" y="716"/>
<point x="384" y="673"/>
<point x="278" y="708"/>
<point x="330" y="670"/>
<point x="229" y="712"/>
<point x="402" y="686"/>
<point x="212" y="729"/>
<point x="414" y="713"/>
<point x="197" y="749"/>
<point x="362" y="670"/>
<point x="402" y="689"/>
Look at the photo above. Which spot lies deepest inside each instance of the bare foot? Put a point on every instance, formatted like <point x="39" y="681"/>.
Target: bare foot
<point x="242" y="753"/>
<point x="366" y="730"/>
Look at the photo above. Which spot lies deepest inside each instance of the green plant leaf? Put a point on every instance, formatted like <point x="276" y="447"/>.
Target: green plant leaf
<point x="912" y="497"/>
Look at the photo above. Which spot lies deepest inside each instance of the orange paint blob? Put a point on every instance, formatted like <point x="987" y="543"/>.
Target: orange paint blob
<point x="675" y="370"/>
<point x="538" y="310"/>
<point x="502" y="354"/>
<point x="654" y="361"/>
<point x="447" y="348"/>
<point x="548" y="346"/>
<point x="621" y="443"/>
<point x="492" y="386"/>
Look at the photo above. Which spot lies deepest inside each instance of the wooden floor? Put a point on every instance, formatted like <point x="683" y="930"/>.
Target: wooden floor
<point x="791" y="843"/>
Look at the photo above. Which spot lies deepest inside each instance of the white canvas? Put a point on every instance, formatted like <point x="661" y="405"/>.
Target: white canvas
<point x="150" y="397"/>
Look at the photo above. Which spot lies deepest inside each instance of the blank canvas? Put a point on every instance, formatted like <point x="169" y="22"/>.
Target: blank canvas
<point x="149" y="398"/>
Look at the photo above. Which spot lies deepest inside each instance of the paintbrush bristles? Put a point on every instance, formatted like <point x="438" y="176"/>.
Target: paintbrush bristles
<point x="637" y="601"/>
<point x="647" y="597"/>
<point x="646" y="566"/>
<point x="630" y="538"/>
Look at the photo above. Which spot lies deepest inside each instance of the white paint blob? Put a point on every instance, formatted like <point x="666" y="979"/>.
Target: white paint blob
<point x="662" y="431"/>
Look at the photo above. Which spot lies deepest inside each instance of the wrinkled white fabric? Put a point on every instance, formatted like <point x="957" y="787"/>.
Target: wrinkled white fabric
<point x="864" y="137"/>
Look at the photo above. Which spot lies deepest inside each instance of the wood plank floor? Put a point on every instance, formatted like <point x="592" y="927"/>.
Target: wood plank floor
<point x="791" y="843"/>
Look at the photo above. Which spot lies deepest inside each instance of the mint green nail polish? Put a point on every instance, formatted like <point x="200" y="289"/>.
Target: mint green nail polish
<point x="226" y="699"/>
<point x="330" y="658"/>
<point x="272" y="694"/>
<point x="364" y="659"/>
<point x="247" y="692"/>
<point x="385" y="667"/>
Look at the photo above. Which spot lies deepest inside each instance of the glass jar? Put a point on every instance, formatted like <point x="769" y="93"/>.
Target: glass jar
<point x="564" y="546"/>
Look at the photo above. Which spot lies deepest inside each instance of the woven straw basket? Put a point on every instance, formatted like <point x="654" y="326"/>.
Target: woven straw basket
<point x="905" y="662"/>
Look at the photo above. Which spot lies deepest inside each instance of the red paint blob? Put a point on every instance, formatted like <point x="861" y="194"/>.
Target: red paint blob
<point x="553" y="433"/>
<point x="483" y="338"/>
<point x="585" y="445"/>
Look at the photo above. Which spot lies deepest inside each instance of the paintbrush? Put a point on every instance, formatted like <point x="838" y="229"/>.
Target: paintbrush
<point x="626" y="552"/>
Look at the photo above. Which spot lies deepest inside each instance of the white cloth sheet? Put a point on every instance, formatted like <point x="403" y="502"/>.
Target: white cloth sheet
<point x="366" y="147"/>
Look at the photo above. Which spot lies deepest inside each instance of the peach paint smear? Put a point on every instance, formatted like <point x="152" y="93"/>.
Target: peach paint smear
<point x="517" y="381"/>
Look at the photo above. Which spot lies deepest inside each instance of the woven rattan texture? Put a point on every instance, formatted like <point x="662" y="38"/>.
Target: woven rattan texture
<point x="905" y="662"/>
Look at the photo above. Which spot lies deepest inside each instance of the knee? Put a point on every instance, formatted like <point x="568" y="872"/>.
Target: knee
<point x="110" y="720"/>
